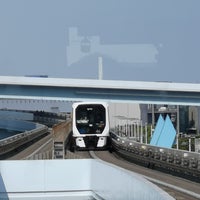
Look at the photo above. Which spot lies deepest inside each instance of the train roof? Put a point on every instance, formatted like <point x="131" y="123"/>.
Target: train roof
<point x="90" y="102"/>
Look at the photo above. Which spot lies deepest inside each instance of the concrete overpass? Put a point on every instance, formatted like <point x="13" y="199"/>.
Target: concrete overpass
<point x="106" y="90"/>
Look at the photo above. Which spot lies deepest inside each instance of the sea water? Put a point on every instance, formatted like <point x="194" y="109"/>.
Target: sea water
<point x="4" y="133"/>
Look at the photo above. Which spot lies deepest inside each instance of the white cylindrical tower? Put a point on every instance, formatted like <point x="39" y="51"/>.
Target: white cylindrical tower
<point x="100" y="67"/>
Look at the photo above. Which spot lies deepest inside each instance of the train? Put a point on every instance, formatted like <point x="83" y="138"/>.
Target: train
<point x="90" y="125"/>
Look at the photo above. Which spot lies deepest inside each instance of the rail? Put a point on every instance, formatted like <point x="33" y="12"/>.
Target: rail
<point x="179" y="162"/>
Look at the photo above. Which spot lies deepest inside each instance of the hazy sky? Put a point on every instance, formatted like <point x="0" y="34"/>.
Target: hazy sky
<point x="34" y="37"/>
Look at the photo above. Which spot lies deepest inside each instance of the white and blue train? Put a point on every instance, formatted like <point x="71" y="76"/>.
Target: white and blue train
<point x="90" y="125"/>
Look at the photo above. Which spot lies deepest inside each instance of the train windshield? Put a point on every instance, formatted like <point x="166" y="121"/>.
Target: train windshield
<point x="90" y="119"/>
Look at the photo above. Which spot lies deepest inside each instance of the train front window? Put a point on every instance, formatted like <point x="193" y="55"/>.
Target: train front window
<point x="90" y="119"/>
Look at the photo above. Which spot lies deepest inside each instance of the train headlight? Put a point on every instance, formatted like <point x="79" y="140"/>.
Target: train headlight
<point x="102" y="142"/>
<point x="80" y="142"/>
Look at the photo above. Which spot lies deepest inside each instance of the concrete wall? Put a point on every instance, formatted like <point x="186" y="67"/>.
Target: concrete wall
<point x="31" y="178"/>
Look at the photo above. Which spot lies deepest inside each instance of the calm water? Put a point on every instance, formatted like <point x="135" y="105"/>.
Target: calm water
<point x="4" y="133"/>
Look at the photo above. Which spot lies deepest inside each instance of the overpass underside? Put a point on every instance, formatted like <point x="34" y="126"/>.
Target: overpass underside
<point x="98" y="90"/>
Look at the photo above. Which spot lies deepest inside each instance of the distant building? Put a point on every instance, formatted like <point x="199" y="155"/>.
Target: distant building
<point x="179" y="115"/>
<point x="194" y="119"/>
<point x="154" y="111"/>
<point x="36" y="105"/>
<point x="37" y="76"/>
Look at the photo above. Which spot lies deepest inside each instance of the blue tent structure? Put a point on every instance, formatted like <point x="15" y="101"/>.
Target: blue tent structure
<point x="157" y="131"/>
<point x="164" y="134"/>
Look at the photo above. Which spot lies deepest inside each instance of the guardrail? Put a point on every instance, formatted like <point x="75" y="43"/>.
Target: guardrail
<point x="179" y="162"/>
<point x="13" y="142"/>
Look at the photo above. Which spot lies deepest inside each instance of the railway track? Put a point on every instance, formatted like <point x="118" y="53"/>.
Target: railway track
<point x="25" y="151"/>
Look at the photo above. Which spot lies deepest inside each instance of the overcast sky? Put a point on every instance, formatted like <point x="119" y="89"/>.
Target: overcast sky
<point x="34" y="36"/>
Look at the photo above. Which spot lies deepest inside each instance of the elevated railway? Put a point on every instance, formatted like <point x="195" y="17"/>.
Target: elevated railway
<point x="171" y="161"/>
<point x="166" y="181"/>
<point x="178" y="162"/>
<point x="11" y="144"/>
